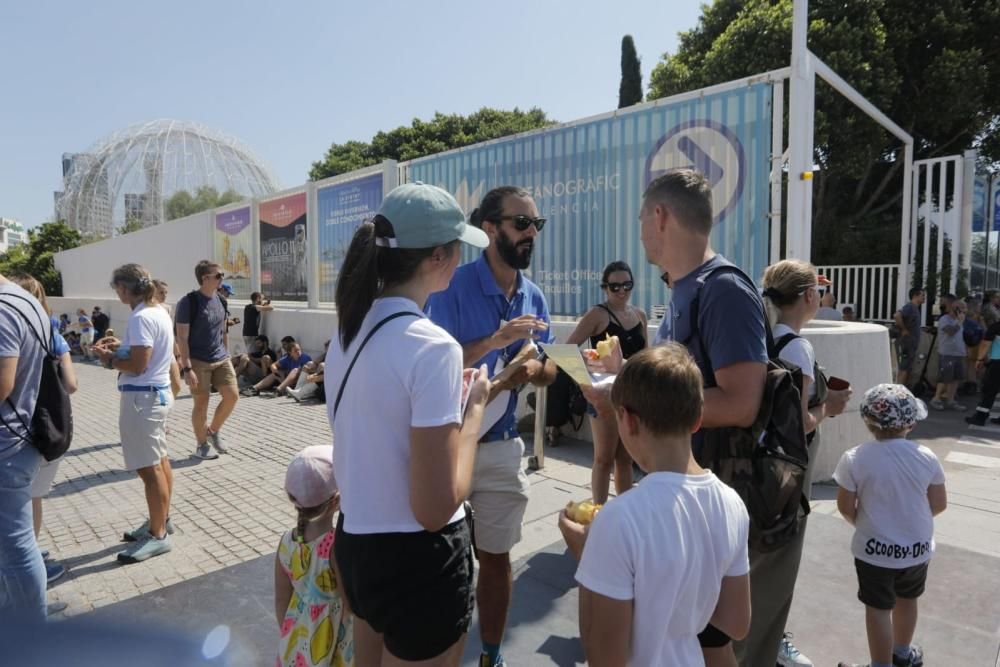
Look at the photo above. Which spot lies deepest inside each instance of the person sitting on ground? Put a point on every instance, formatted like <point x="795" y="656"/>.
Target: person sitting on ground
<point x="311" y="380"/>
<point x="313" y="619"/>
<point x="284" y="372"/>
<point x="73" y="340"/>
<point x="951" y="356"/>
<point x="641" y="610"/>
<point x="255" y="365"/>
<point x="848" y="314"/>
<point x="890" y="490"/>
<point x="63" y="323"/>
<point x="86" y="333"/>
<point x="286" y="344"/>
<point x="42" y="483"/>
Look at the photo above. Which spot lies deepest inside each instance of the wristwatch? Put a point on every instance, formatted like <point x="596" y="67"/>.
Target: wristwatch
<point x="185" y="370"/>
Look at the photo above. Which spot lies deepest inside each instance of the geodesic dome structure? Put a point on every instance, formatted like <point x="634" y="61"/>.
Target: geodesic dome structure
<point x="131" y="173"/>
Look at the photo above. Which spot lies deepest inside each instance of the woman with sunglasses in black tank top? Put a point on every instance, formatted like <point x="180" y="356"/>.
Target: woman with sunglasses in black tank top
<point x="614" y="317"/>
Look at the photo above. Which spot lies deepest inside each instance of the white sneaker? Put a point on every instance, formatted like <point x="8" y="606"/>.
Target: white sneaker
<point x="937" y="405"/>
<point x="789" y="656"/>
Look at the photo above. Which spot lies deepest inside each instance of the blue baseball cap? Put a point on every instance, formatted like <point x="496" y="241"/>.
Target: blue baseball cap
<point x="425" y="216"/>
<point x="228" y="288"/>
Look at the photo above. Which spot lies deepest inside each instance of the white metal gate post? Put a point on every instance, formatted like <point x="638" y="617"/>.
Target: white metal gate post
<point x="802" y="103"/>
<point x="965" y="219"/>
<point x="777" y="160"/>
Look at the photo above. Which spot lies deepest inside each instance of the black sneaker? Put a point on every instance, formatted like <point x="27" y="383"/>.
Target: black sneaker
<point x="995" y="420"/>
<point x="977" y="418"/>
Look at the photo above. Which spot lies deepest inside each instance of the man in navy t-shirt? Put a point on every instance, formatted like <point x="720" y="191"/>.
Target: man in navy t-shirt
<point x="491" y="309"/>
<point x="203" y="341"/>
<point x="675" y="224"/>
<point x="284" y="372"/>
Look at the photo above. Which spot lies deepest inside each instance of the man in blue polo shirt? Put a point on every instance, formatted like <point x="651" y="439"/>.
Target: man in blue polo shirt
<point x="492" y="309"/>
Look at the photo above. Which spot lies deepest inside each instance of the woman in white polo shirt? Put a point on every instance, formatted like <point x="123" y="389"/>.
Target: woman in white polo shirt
<point x="404" y="452"/>
<point x="143" y="361"/>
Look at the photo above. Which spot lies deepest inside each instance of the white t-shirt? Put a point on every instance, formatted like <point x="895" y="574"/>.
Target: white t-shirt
<point x="408" y="375"/>
<point x="800" y="352"/>
<point x="895" y="527"/>
<point x="150" y="326"/>
<point x="666" y="545"/>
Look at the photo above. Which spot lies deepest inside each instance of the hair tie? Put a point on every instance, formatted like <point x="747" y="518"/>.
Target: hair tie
<point x="773" y="294"/>
<point x="386" y="242"/>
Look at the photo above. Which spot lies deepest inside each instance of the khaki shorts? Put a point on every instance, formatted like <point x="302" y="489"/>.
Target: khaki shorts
<point x="46" y="474"/>
<point x="499" y="495"/>
<point x="216" y="374"/>
<point x="87" y="337"/>
<point x="142" y="422"/>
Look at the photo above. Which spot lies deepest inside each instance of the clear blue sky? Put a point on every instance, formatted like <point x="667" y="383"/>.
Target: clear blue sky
<point x="290" y="78"/>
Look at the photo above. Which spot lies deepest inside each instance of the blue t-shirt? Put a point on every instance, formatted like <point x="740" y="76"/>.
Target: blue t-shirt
<point x="730" y="320"/>
<point x="18" y="341"/>
<point x="205" y="337"/>
<point x="59" y="344"/>
<point x="473" y="307"/>
<point x="287" y="364"/>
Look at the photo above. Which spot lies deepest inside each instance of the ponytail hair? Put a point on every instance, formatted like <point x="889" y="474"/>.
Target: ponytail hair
<point x="30" y="284"/>
<point x="784" y="283"/>
<point x="136" y="280"/>
<point x="368" y="269"/>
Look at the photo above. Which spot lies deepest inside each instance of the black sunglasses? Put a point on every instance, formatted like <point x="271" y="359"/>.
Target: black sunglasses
<point x="616" y="287"/>
<point x="522" y="222"/>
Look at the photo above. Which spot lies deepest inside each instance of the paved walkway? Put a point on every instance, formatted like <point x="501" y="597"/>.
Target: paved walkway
<point x="230" y="513"/>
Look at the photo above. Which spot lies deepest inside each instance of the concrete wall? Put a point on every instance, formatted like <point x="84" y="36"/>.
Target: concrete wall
<point x="858" y="353"/>
<point x="169" y="251"/>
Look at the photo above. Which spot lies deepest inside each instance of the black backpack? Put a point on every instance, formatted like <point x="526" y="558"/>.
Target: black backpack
<point x="765" y="463"/>
<point x="819" y="377"/>
<point x="51" y="429"/>
<point x="565" y="403"/>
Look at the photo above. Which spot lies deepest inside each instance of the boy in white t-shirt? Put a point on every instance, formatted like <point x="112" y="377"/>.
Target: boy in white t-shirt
<point x="890" y="490"/>
<point x="662" y="561"/>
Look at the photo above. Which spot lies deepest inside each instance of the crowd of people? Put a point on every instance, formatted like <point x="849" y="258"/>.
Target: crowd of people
<point x="380" y="566"/>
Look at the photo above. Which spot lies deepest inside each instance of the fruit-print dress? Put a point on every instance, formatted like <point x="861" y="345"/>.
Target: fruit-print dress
<point x="316" y="631"/>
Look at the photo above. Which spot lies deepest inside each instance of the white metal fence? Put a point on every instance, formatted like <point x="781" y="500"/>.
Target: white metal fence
<point x="870" y="288"/>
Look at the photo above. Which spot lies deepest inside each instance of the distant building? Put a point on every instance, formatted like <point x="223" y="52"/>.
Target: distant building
<point x="84" y="174"/>
<point x="11" y="234"/>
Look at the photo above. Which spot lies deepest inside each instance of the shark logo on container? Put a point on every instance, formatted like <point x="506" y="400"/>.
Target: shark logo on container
<point x="709" y="147"/>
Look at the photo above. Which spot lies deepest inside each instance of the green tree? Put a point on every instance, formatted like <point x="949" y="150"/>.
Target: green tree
<point x="133" y="223"/>
<point x="36" y="256"/>
<point x="630" y="88"/>
<point x="934" y="68"/>
<point x="420" y="138"/>
<point x="182" y="203"/>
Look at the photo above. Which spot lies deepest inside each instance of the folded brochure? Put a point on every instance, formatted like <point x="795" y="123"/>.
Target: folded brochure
<point x="570" y="359"/>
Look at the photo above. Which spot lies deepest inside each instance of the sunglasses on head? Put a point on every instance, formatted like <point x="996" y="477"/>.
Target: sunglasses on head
<point x="522" y="222"/>
<point x="617" y="287"/>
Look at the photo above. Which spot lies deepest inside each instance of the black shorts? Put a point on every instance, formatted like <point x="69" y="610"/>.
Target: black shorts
<point x="879" y="587"/>
<point x="413" y="588"/>
<point x="713" y="637"/>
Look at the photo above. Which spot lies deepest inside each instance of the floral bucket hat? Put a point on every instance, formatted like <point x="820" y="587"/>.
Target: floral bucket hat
<point x="892" y="407"/>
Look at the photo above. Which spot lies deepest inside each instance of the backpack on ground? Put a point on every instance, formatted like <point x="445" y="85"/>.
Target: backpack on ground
<point x="765" y="463"/>
<point x="51" y="428"/>
<point x="564" y="404"/>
